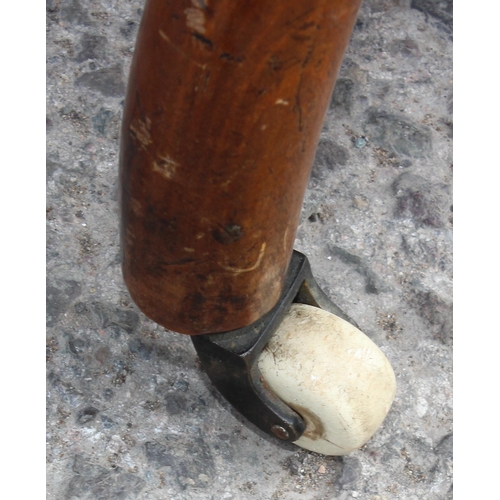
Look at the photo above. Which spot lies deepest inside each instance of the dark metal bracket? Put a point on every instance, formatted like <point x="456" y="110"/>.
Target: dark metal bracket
<point x="230" y="358"/>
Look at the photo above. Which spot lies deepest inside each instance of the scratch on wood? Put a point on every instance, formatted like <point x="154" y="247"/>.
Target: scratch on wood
<point x="165" y="166"/>
<point x="180" y="51"/>
<point x="203" y="39"/>
<point x="141" y="131"/>
<point x="237" y="270"/>
<point x="195" y="19"/>
<point x="136" y="207"/>
<point x="130" y="237"/>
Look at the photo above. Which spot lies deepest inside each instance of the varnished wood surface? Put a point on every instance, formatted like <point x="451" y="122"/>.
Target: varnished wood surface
<point x="224" y="108"/>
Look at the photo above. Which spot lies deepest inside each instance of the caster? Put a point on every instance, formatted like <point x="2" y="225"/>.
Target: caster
<point x="332" y="375"/>
<point x="303" y="373"/>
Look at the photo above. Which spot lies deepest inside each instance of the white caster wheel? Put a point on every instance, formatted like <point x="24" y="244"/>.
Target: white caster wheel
<point x="333" y="375"/>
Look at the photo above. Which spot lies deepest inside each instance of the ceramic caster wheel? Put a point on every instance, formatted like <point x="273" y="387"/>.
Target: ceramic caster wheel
<point x="333" y="375"/>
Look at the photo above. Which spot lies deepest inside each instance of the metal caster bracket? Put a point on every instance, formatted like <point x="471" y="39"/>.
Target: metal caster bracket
<point x="230" y="358"/>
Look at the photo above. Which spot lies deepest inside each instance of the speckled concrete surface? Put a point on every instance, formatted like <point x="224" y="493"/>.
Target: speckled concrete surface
<point x="130" y="414"/>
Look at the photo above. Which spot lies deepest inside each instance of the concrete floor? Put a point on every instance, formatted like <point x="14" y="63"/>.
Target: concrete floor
<point x="130" y="414"/>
